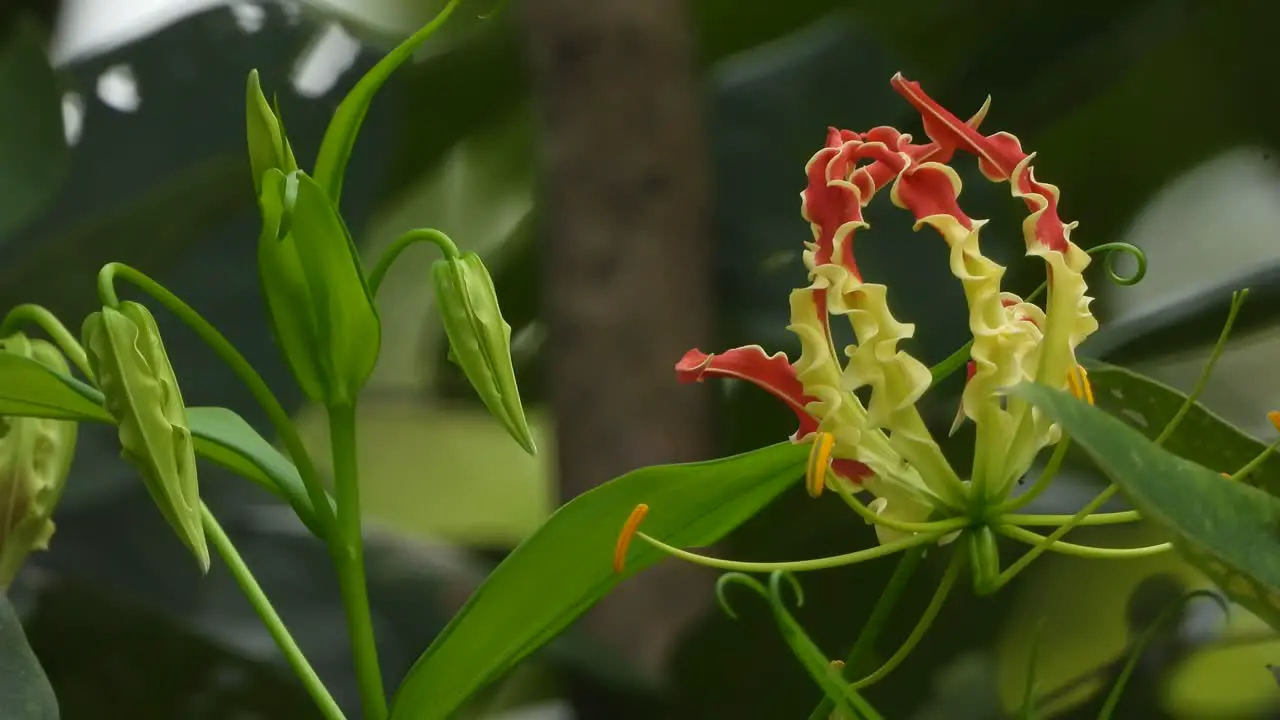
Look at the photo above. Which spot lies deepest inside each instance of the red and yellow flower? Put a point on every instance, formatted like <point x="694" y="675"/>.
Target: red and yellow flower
<point x="883" y="446"/>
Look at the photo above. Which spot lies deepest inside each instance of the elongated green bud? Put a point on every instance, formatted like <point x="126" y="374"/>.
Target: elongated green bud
<point x="322" y="312"/>
<point x="142" y="394"/>
<point x="268" y="146"/>
<point x="984" y="555"/>
<point x="35" y="459"/>
<point x="480" y="340"/>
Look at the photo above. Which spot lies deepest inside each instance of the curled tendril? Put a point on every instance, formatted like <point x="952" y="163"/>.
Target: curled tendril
<point x="1174" y="610"/>
<point x="773" y="594"/>
<point x="825" y="673"/>
<point x="1109" y="262"/>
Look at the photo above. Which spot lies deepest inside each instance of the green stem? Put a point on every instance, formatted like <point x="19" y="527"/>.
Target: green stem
<point x="1041" y="484"/>
<point x="866" y="513"/>
<point x="1111" y="518"/>
<point x="50" y="323"/>
<point x="1256" y="463"/>
<point x="797" y="565"/>
<point x="275" y="626"/>
<point x="1237" y="299"/>
<point x="1135" y="652"/>
<point x="348" y="555"/>
<point x="280" y="420"/>
<point x="1084" y="551"/>
<point x="876" y="621"/>
<point x="1042" y="546"/>
<point x="922" y="627"/>
<point x="413" y="237"/>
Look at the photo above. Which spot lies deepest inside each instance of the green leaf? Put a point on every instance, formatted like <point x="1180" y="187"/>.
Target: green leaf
<point x="30" y="388"/>
<point x="1202" y="437"/>
<point x="25" y="693"/>
<point x="567" y="565"/>
<point x="321" y="309"/>
<point x="340" y="137"/>
<point x="33" y="149"/>
<point x="480" y="339"/>
<point x="1227" y="530"/>
<point x="225" y="438"/>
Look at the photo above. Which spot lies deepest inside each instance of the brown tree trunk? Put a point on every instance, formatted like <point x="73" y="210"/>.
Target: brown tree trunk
<point x="624" y="183"/>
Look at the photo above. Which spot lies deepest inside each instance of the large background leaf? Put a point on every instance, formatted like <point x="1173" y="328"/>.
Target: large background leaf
<point x="25" y="693"/>
<point x="1227" y="529"/>
<point x="566" y="565"/>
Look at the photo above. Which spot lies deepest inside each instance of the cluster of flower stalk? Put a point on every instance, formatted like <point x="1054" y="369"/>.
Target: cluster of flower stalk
<point x="321" y="306"/>
<point x="882" y="449"/>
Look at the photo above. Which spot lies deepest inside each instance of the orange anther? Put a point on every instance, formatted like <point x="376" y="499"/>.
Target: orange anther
<point x="815" y="475"/>
<point x="1078" y="382"/>
<point x="624" y="538"/>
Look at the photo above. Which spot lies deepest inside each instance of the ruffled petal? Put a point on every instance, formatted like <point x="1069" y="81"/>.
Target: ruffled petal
<point x="772" y="373"/>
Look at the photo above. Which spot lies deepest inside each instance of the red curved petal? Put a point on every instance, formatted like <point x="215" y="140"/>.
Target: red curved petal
<point x="772" y="373"/>
<point x="1000" y="157"/>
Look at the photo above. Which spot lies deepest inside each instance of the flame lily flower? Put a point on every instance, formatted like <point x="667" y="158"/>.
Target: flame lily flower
<point x="883" y="447"/>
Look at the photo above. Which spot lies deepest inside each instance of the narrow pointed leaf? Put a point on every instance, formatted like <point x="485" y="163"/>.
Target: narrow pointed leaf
<point x="567" y="565"/>
<point x="340" y="137"/>
<point x="32" y="389"/>
<point x="225" y="438"/>
<point x="1228" y="530"/>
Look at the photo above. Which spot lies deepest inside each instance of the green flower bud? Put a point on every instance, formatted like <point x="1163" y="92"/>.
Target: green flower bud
<point x="480" y="340"/>
<point x="268" y="147"/>
<point x="141" y="393"/>
<point x="984" y="556"/>
<point x="321" y="310"/>
<point x="35" y="458"/>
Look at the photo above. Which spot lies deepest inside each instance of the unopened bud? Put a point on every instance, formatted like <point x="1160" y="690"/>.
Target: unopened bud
<point x="35" y="458"/>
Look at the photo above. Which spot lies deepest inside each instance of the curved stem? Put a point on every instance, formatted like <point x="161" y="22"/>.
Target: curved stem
<point x="275" y="626"/>
<point x="1256" y="463"/>
<point x="871" y="630"/>
<point x="926" y="621"/>
<point x="796" y="565"/>
<point x="427" y="235"/>
<point x="227" y="352"/>
<point x="1237" y="299"/>
<point x="1041" y="484"/>
<point x="1111" y="518"/>
<point x="1084" y="551"/>
<point x="347" y="547"/>
<point x="1047" y="542"/>
<point x="866" y="513"/>
<point x="50" y="323"/>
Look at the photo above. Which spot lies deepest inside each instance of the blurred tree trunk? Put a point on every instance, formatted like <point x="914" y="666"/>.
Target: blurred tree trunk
<point x="624" y="183"/>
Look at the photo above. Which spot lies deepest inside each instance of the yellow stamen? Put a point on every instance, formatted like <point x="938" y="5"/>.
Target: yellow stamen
<point x="1078" y="382"/>
<point x="1274" y="417"/>
<point x="837" y="665"/>
<point x="815" y="476"/>
<point x="624" y="538"/>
